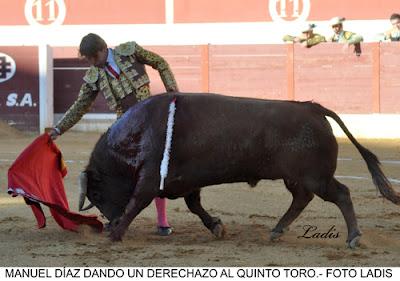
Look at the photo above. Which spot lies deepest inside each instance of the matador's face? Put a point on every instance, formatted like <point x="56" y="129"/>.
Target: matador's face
<point x="99" y="60"/>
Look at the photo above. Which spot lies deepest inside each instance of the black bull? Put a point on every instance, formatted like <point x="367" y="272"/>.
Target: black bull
<point x="219" y="139"/>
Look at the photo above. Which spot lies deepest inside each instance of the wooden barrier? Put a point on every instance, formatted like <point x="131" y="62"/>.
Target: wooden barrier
<point x="326" y="73"/>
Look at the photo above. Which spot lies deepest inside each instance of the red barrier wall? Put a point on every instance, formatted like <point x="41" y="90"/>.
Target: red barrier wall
<point x="186" y="62"/>
<point x="389" y="77"/>
<point x="326" y="73"/>
<point x="334" y="77"/>
<point x="249" y="71"/>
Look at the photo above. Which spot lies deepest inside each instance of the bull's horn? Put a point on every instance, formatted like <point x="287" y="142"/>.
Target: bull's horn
<point x="91" y="205"/>
<point x="82" y="189"/>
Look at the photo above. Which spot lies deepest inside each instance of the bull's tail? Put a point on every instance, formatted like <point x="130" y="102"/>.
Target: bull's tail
<point x="378" y="177"/>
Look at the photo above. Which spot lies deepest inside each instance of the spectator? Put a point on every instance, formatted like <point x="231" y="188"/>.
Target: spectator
<point x="394" y="33"/>
<point x="346" y="37"/>
<point x="307" y="38"/>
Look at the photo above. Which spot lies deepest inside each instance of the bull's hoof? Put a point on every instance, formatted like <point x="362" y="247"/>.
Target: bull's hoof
<point x="354" y="243"/>
<point x="117" y="230"/>
<point x="219" y="231"/>
<point x="275" y="235"/>
<point x="217" y="228"/>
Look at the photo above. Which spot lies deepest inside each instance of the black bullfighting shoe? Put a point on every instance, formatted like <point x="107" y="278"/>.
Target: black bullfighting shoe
<point x="164" y="230"/>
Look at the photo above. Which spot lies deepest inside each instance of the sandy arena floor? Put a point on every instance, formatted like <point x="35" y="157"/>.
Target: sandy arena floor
<point x="248" y="214"/>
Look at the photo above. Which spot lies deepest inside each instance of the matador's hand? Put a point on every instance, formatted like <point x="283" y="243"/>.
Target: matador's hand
<point x="54" y="133"/>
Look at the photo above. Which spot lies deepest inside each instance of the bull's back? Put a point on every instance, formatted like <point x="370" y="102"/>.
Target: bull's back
<point x="227" y="139"/>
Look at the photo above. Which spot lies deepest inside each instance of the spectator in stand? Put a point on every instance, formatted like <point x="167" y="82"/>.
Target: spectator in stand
<point x="394" y="33"/>
<point x="307" y="38"/>
<point x="346" y="37"/>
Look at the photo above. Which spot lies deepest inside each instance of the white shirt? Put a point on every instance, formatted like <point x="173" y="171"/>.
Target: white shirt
<point x="111" y="62"/>
<point x="339" y="37"/>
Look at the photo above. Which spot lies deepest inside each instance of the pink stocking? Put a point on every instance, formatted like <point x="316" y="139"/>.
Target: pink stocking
<point x="161" y="204"/>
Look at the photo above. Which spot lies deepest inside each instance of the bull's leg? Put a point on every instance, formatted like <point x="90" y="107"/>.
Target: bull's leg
<point x="145" y="192"/>
<point x="134" y="207"/>
<point x="301" y="198"/>
<point x="339" y="194"/>
<point x="214" y="224"/>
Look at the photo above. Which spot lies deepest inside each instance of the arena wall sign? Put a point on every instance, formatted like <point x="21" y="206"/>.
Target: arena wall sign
<point x="23" y="84"/>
